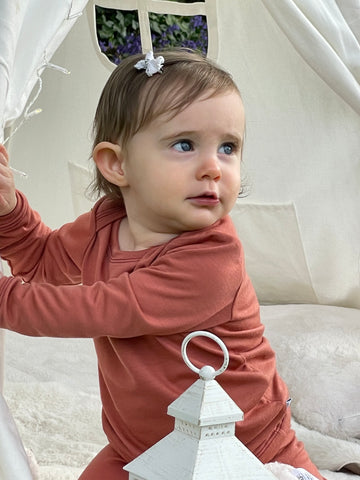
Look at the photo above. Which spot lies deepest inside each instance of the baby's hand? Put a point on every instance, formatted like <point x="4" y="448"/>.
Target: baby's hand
<point x="283" y="471"/>
<point x="7" y="185"/>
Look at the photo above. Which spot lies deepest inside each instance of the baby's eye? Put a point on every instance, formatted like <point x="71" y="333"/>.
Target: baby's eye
<point x="183" y="146"/>
<point x="227" y="148"/>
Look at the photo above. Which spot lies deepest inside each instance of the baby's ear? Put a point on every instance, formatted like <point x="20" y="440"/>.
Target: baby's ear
<point x="109" y="159"/>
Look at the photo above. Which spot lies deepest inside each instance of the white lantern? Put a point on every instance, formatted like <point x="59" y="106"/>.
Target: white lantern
<point x="202" y="445"/>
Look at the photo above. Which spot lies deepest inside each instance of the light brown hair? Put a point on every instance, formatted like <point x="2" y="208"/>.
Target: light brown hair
<point x="130" y="99"/>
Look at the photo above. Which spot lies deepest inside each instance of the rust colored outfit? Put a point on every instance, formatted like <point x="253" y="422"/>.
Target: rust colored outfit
<point x="138" y="306"/>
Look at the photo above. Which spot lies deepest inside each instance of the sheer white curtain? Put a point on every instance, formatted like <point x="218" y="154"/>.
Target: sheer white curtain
<point x="326" y="33"/>
<point x="297" y="63"/>
<point x="30" y="32"/>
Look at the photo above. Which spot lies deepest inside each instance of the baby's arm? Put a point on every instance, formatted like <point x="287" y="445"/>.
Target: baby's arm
<point x="36" y="253"/>
<point x="33" y="251"/>
<point x="7" y="185"/>
<point x="180" y="291"/>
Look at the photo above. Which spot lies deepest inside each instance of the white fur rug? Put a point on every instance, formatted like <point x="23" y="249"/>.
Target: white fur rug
<point x="52" y="390"/>
<point x="318" y="355"/>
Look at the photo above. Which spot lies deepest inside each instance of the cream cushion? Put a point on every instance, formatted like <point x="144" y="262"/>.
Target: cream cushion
<point x="318" y="355"/>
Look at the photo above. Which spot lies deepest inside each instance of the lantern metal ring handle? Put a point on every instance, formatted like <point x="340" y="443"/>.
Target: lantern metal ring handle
<point x="207" y="372"/>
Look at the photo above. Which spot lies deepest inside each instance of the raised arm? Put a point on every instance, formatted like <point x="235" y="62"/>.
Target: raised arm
<point x="7" y="185"/>
<point x="35" y="252"/>
<point x="181" y="290"/>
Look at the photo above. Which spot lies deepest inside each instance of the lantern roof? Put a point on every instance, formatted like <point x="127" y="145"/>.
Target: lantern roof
<point x="203" y="445"/>
<point x="205" y="403"/>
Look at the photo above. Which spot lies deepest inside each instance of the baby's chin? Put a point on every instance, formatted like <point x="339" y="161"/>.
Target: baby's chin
<point x="202" y="225"/>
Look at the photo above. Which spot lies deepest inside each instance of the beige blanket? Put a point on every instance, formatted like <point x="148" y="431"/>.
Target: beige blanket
<point x="51" y="388"/>
<point x="318" y="355"/>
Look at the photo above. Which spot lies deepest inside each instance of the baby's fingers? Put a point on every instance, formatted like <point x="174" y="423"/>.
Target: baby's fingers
<point x="5" y="170"/>
<point x="7" y="186"/>
<point x="4" y="156"/>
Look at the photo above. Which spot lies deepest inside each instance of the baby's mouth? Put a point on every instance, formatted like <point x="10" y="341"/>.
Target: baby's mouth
<point x="205" y="198"/>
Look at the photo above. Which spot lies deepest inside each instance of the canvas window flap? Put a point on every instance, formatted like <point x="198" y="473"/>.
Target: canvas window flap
<point x="274" y="253"/>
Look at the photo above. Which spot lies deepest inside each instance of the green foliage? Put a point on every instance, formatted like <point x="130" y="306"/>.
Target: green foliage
<point x="119" y="32"/>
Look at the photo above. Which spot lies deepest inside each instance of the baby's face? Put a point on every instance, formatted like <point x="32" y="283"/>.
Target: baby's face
<point x="183" y="172"/>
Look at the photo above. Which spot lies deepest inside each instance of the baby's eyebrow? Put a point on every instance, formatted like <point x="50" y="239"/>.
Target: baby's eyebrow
<point x="235" y="138"/>
<point x="226" y="137"/>
<point x="182" y="134"/>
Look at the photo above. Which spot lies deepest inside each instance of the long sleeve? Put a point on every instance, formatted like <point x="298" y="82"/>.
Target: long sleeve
<point x="174" y="290"/>
<point x="35" y="253"/>
<point x="138" y="306"/>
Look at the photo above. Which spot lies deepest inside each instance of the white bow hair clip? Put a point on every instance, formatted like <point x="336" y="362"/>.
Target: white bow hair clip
<point x="151" y="64"/>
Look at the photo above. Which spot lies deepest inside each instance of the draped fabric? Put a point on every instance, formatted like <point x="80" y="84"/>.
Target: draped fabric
<point x="297" y="63"/>
<point x="13" y="460"/>
<point x="30" y="33"/>
<point x="29" y="26"/>
<point x="326" y="35"/>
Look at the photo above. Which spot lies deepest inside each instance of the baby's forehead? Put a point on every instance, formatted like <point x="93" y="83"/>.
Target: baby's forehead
<point x="213" y="116"/>
<point x="170" y="104"/>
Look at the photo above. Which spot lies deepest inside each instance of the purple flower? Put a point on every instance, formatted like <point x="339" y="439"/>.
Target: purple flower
<point x="189" y="44"/>
<point x="186" y="31"/>
<point x="173" y="28"/>
<point x="197" y="21"/>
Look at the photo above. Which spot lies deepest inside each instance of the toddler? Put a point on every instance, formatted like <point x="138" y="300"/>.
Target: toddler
<point x="156" y="258"/>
